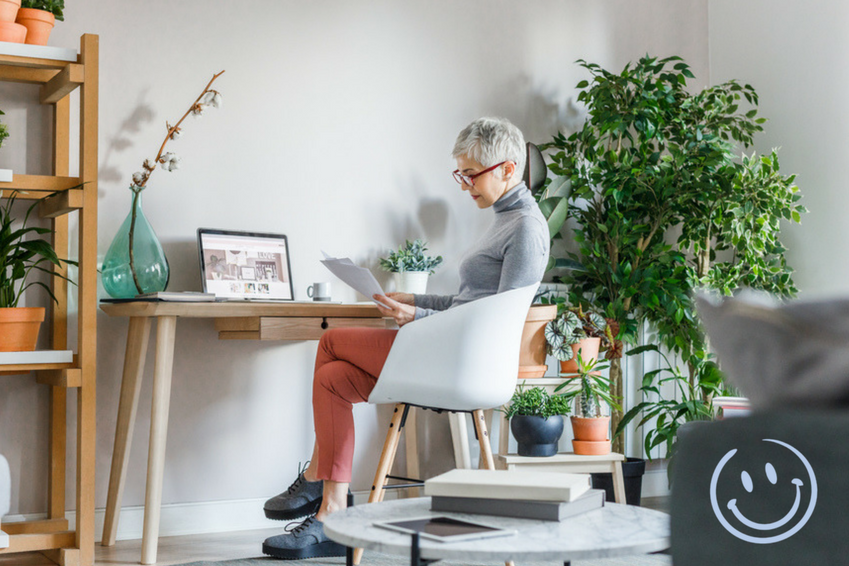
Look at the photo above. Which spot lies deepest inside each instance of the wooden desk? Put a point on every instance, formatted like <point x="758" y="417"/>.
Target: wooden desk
<point x="234" y="321"/>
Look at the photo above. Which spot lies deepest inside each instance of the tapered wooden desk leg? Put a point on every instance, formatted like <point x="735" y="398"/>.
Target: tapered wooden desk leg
<point x="165" y="330"/>
<point x="618" y="483"/>
<point x="486" y="461"/>
<point x="137" y="339"/>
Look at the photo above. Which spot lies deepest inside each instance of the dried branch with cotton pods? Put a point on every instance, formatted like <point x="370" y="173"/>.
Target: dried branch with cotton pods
<point x="170" y="161"/>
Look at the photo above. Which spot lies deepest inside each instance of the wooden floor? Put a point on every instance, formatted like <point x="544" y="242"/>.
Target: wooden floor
<point x="172" y="550"/>
<point x="179" y="550"/>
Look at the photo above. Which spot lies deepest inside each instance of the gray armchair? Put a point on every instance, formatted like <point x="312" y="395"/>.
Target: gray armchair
<point x="768" y="489"/>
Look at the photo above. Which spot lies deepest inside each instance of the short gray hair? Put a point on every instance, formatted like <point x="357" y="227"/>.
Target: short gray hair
<point x="492" y="140"/>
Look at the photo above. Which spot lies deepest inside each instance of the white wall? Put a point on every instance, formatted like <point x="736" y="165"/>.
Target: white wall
<point x="795" y="55"/>
<point x="337" y="127"/>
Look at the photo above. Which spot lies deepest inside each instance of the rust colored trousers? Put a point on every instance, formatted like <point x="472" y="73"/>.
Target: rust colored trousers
<point x="347" y="365"/>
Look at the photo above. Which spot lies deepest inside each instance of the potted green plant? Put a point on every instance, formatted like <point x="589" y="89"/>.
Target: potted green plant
<point x="39" y="17"/>
<point x="575" y="331"/>
<point x="536" y="420"/>
<point x="664" y="202"/>
<point x="19" y="326"/>
<point x="411" y="266"/>
<point x="593" y="401"/>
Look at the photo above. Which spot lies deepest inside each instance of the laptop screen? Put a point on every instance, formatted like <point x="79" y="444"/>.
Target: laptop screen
<point x="245" y="265"/>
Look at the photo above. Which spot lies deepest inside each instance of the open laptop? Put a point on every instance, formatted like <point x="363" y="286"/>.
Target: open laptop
<point x="245" y="266"/>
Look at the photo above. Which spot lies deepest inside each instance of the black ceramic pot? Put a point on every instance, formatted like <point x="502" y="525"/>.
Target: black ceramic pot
<point x="632" y="475"/>
<point x="537" y="436"/>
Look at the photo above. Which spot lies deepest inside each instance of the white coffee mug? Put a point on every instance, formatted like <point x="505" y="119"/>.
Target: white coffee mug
<point x="319" y="291"/>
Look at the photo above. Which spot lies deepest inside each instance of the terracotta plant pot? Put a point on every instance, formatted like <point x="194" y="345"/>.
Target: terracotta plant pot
<point x="591" y="447"/>
<point x="19" y="328"/>
<point x="39" y="24"/>
<point x="9" y="10"/>
<point x="532" y="353"/>
<point x="589" y="351"/>
<point x="590" y="429"/>
<point x="12" y="32"/>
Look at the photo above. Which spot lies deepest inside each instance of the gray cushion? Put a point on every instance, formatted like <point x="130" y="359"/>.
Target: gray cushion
<point x="699" y="536"/>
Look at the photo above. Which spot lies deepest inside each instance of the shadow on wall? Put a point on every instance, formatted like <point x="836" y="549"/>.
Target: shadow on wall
<point x="538" y="112"/>
<point x="122" y="141"/>
<point x="429" y="222"/>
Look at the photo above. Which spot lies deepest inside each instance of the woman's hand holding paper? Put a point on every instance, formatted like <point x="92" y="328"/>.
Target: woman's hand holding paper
<point x="401" y="312"/>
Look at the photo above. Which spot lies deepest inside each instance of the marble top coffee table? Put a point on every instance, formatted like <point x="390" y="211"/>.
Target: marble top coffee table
<point x="614" y="530"/>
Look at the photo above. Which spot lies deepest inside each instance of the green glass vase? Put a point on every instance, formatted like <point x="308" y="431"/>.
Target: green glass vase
<point x="135" y="262"/>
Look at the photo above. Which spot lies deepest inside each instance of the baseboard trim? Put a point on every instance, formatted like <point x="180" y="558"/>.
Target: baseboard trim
<point x="179" y="519"/>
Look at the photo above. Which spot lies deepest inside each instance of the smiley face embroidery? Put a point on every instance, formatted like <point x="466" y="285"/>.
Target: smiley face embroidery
<point x="773" y="531"/>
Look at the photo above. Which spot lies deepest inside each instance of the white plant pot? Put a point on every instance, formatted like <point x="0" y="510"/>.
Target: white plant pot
<point x="411" y="282"/>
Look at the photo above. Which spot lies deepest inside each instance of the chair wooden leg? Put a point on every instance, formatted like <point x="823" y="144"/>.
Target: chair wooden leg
<point x="411" y="441"/>
<point x="460" y="440"/>
<point x="487" y="416"/>
<point x="483" y="439"/>
<point x="384" y="465"/>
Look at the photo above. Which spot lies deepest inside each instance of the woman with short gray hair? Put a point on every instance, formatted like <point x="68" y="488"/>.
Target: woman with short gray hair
<point x="490" y="155"/>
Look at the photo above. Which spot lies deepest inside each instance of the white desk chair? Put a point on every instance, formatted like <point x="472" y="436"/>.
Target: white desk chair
<point x="464" y="359"/>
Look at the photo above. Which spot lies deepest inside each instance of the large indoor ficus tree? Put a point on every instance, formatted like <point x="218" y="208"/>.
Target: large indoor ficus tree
<point x="666" y="201"/>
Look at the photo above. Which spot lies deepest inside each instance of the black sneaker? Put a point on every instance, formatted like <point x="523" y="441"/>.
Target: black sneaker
<point x="303" y="498"/>
<point x="305" y="540"/>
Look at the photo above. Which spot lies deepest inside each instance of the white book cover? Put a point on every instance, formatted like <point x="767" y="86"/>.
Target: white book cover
<point x="503" y="484"/>
<point x="6" y="176"/>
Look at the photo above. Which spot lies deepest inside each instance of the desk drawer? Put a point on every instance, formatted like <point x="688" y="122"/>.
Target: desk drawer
<point x="286" y="328"/>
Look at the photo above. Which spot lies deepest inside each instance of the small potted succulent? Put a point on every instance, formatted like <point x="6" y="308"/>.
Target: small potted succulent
<point x="536" y="420"/>
<point x="576" y="331"/>
<point x="19" y="326"/>
<point x="411" y="266"/>
<point x="39" y="17"/>
<point x="593" y="401"/>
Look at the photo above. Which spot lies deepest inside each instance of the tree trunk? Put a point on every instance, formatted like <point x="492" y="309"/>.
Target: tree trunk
<point x="616" y="391"/>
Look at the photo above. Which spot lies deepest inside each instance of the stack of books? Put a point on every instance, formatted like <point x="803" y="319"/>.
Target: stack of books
<point x="546" y="496"/>
<point x="732" y="407"/>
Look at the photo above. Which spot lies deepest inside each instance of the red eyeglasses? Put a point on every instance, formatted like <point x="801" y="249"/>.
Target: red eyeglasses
<point x="470" y="179"/>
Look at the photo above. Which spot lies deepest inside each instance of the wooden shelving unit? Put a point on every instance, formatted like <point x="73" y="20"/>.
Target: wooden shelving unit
<point x="60" y="74"/>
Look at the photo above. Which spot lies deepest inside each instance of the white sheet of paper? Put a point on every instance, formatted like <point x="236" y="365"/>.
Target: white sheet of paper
<point x="358" y="278"/>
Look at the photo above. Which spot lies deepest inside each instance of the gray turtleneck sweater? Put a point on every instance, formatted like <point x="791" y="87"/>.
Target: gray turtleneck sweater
<point x="513" y="253"/>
